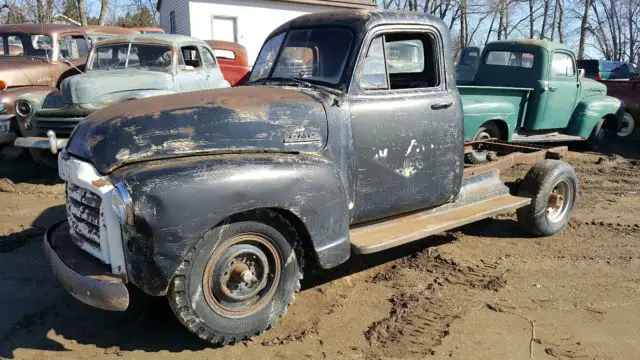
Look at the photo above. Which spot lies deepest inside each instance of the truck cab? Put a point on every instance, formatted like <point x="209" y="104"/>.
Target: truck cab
<point x="531" y="91"/>
<point x="347" y="138"/>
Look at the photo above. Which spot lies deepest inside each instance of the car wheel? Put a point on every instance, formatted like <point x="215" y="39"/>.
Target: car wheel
<point x="552" y="186"/>
<point x="239" y="280"/>
<point x="599" y="135"/>
<point x="44" y="158"/>
<point x="485" y="132"/>
<point x="627" y="126"/>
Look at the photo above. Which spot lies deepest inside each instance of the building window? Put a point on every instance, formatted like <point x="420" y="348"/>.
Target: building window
<point x="224" y="28"/>
<point x="172" y="22"/>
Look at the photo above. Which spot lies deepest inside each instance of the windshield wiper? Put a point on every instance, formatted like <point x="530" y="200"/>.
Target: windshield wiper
<point x="292" y="79"/>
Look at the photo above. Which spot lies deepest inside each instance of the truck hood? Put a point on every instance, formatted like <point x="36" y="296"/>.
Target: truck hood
<point x="231" y="120"/>
<point x="593" y="88"/>
<point x="87" y="88"/>
<point x="24" y="71"/>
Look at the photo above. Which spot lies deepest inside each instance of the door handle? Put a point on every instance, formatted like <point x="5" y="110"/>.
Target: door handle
<point x="439" y="106"/>
<point x="552" y="88"/>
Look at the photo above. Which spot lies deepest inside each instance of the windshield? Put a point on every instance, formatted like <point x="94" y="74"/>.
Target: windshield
<point x="129" y="55"/>
<point x="16" y="44"/>
<point x="316" y="55"/>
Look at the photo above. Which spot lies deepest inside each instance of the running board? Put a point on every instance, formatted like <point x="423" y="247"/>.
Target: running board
<point x="404" y="229"/>
<point x="553" y="137"/>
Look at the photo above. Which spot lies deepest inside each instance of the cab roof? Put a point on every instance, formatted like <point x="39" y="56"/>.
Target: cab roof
<point x="545" y="44"/>
<point x="163" y="39"/>
<point x="361" y="21"/>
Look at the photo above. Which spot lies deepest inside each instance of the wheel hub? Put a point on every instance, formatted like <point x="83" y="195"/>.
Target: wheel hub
<point x="558" y="202"/>
<point x="241" y="276"/>
<point x="627" y="126"/>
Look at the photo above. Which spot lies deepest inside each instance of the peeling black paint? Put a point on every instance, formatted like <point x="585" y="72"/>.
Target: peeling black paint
<point x="245" y="118"/>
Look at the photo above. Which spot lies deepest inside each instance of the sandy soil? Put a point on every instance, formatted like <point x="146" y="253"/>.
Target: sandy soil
<point x="487" y="291"/>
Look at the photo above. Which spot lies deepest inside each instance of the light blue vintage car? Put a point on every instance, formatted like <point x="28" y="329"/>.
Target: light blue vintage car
<point x="119" y="69"/>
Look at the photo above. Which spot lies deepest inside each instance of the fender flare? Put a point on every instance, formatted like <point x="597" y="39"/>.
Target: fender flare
<point x="589" y="111"/>
<point x="176" y="201"/>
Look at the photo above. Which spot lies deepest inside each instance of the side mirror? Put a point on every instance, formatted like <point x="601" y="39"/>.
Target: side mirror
<point x="580" y="73"/>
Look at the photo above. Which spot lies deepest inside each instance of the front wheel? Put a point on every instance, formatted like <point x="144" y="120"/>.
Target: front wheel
<point x="599" y="135"/>
<point x="44" y="158"/>
<point x="239" y="280"/>
<point x="552" y="186"/>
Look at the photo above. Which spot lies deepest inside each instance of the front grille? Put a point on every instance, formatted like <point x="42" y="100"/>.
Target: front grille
<point x="62" y="126"/>
<point x="83" y="213"/>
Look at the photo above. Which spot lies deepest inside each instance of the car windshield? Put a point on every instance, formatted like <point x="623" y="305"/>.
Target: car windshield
<point x="130" y="55"/>
<point x="314" y="55"/>
<point x="23" y="44"/>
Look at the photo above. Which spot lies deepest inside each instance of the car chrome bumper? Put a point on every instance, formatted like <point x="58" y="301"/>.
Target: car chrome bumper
<point x="83" y="276"/>
<point x="40" y="143"/>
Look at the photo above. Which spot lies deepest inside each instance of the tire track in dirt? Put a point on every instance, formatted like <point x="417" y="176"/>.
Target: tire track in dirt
<point x="432" y="291"/>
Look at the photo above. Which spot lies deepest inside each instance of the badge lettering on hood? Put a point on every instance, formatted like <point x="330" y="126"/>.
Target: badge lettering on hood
<point x="301" y="136"/>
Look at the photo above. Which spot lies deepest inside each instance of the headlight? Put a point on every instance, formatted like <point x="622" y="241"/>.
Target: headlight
<point x="3" y="107"/>
<point x="23" y="108"/>
<point x="121" y="203"/>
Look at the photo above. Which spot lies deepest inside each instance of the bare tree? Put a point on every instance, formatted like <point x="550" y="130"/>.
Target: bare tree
<point x="584" y="25"/>
<point x="82" y="8"/>
<point x="103" y="11"/>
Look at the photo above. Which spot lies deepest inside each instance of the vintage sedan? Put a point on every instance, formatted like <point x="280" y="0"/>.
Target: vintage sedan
<point x="35" y="57"/>
<point x="119" y="69"/>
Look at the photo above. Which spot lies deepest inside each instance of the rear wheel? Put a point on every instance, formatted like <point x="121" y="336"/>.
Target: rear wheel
<point x="485" y="132"/>
<point x="239" y="280"/>
<point x="552" y="186"/>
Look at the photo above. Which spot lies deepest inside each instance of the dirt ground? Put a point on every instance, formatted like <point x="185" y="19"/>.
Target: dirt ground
<point x="487" y="291"/>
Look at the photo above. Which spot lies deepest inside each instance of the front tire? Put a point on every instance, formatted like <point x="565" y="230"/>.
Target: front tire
<point x="239" y="280"/>
<point x="552" y="186"/>
<point x="599" y="135"/>
<point x="44" y="158"/>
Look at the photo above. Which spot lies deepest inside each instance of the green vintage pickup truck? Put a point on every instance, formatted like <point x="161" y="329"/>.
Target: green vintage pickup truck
<point x="532" y="91"/>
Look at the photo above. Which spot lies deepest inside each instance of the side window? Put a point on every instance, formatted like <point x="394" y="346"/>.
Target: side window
<point x="562" y="65"/>
<point x="191" y="57"/>
<point x="374" y="73"/>
<point x="207" y="58"/>
<point x="69" y="48"/>
<point x="82" y="46"/>
<point x="409" y="59"/>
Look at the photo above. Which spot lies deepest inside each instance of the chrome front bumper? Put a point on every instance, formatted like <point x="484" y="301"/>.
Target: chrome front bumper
<point x="46" y="143"/>
<point x="82" y="275"/>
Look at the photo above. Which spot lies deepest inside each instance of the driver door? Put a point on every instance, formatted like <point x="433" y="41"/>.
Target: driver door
<point x="406" y="126"/>
<point x="191" y="75"/>
<point x="213" y="78"/>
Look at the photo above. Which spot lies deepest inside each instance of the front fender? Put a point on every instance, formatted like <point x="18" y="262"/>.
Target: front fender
<point x="45" y="98"/>
<point x="589" y="111"/>
<point x="178" y="200"/>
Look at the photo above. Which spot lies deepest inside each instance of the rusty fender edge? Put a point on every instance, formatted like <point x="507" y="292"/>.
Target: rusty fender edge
<point x="103" y="292"/>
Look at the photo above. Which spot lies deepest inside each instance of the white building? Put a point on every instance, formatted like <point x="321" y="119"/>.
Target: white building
<point x="247" y="22"/>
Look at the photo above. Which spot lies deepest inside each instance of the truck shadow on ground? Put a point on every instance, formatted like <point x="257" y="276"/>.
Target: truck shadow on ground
<point x="22" y="169"/>
<point x="149" y="324"/>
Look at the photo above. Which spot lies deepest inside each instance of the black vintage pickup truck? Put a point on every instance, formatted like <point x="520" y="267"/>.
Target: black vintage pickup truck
<point x="348" y="138"/>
